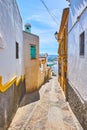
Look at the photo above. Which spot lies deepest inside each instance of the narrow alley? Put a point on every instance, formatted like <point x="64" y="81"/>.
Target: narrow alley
<point x="50" y="112"/>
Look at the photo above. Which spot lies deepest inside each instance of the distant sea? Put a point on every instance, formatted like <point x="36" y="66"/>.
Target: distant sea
<point x="53" y="59"/>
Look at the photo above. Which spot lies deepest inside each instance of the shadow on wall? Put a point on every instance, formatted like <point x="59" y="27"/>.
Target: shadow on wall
<point x="32" y="96"/>
<point x="29" y="98"/>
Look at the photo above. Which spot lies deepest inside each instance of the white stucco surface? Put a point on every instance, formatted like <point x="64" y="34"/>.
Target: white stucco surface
<point x="10" y="33"/>
<point x="76" y="7"/>
<point x="77" y="65"/>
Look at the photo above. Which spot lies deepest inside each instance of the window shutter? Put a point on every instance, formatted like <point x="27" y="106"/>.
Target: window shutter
<point x="33" y="51"/>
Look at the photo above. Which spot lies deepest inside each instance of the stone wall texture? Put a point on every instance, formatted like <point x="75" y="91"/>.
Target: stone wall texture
<point x="77" y="63"/>
<point x="78" y="105"/>
<point x="9" y="102"/>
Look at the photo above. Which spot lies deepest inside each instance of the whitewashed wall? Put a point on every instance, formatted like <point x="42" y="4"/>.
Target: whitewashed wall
<point x="77" y="65"/>
<point x="76" y="7"/>
<point x="10" y="32"/>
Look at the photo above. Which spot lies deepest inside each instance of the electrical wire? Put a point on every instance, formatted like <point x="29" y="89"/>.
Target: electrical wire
<point x="52" y="15"/>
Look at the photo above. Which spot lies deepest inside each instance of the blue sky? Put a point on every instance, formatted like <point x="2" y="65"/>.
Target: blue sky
<point x="34" y="12"/>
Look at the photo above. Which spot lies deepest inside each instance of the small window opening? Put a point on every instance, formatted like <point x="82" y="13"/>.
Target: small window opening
<point x="17" y="50"/>
<point x="82" y="40"/>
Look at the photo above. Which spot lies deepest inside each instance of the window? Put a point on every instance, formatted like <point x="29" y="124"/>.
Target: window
<point x="33" y="51"/>
<point x="17" y="50"/>
<point x="82" y="40"/>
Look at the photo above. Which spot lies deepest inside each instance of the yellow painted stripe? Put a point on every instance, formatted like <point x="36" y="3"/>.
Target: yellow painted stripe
<point x="23" y="77"/>
<point x="6" y="86"/>
<point x="18" y="81"/>
<point x="0" y="82"/>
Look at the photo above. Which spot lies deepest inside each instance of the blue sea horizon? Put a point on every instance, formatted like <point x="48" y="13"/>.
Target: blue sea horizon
<point x="53" y="59"/>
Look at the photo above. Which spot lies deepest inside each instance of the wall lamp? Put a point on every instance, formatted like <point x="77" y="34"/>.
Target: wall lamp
<point x="56" y="35"/>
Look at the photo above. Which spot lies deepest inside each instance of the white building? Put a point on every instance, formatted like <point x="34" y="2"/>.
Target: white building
<point x="11" y="60"/>
<point x="11" y="41"/>
<point x="77" y="59"/>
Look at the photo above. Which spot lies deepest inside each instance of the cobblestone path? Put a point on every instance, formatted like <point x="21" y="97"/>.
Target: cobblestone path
<point x="51" y="112"/>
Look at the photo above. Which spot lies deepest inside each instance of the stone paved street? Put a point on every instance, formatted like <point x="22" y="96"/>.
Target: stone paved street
<point x="51" y="112"/>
